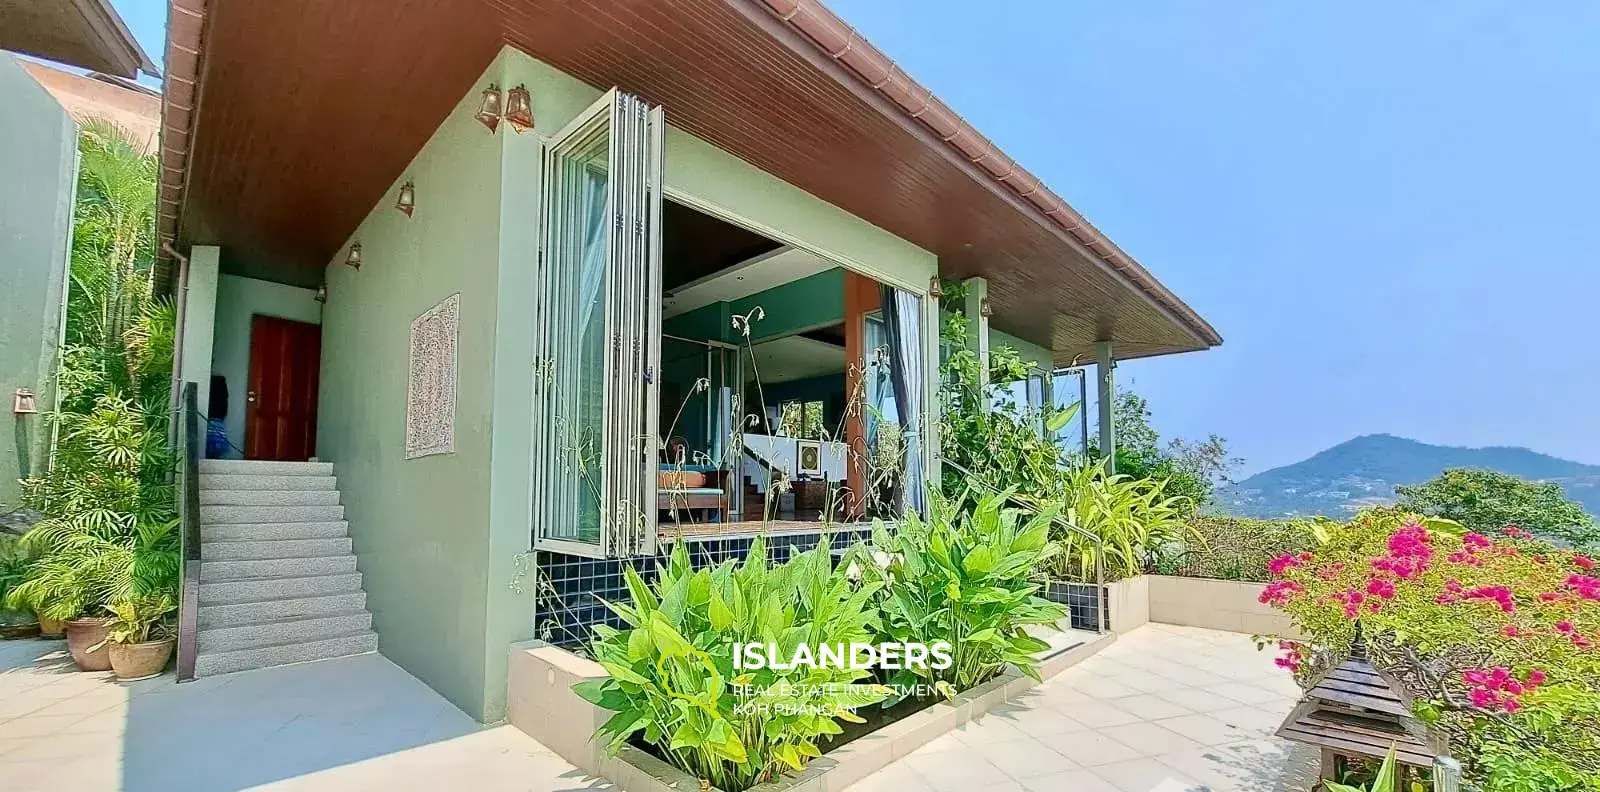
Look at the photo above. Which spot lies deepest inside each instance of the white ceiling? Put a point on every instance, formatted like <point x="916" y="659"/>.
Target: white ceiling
<point x="744" y="279"/>
<point x="795" y="358"/>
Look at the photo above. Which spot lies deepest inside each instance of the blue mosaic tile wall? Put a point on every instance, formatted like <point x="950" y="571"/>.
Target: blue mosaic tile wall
<point x="570" y="587"/>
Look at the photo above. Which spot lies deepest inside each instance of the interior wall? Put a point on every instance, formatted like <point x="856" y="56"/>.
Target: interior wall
<point x="422" y="526"/>
<point x="39" y="160"/>
<point x="238" y="301"/>
<point x="805" y="304"/>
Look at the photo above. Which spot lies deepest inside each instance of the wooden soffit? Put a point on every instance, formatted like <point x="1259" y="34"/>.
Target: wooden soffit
<point x="84" y="33"/>
<point x="307" y="110"/>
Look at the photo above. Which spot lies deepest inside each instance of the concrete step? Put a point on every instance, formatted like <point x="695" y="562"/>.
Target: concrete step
<point x="213" y="663"/>
<point x="254" y="467"/>
<point x="300" y="629"/>
<point x="229" y="592"/>
<point x="215" y="515"/>
<point x="275" y="568"/>
<point x="273" y="549"/>
<point x="248" y="532"/>
<point x="274" y="609"/>
<point x="234" y="481"/>
<point x="269" y="497"/>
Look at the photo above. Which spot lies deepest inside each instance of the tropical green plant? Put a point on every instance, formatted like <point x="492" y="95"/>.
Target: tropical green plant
<point x="138" y="620"/>
<point x="1133" y="518"/>
<point x="85" y="572"/>
<point x="1385" y="781"/>
<point x="14" y="566"/>
<point x="1487" y="500"/>
<point x="672" y="679"/>
<point x="962" y="576"/>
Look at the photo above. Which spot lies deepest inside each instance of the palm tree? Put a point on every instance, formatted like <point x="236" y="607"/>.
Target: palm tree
<point x="118" y="337"/>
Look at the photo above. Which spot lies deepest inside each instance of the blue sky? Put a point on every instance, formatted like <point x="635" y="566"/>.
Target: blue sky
<point x="1389" y="210"/>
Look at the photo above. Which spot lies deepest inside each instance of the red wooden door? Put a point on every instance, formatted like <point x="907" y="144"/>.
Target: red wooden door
<point x="280" y="415"/>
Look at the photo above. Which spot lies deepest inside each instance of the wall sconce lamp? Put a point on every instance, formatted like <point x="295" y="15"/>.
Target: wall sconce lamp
<point x="353" y="258"/>
<point x="23" y="402"/>
<point x="322" y="293"/>
<point x="407" y="202"/>
<point x="489" y="108"/>
<point x="935" y="289"/>
<point x="983" y="308"/>
<point x="519" y="109"/>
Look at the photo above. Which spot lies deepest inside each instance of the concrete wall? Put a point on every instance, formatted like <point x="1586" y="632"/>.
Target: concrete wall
<point x="238" y="300"/>
<point x="1214" y="604"/>
<point x="199" y="322"/>
<point x="38" y="161"/>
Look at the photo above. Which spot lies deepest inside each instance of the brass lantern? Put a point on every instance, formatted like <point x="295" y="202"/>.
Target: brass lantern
<point x="489" y="108"/>
<point x="407" y="202"/>
<point x="519" y="109"/>
<point x="353" y="258"/>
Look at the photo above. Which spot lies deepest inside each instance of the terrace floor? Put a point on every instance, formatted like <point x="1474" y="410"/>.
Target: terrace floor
<point x="1163" y="709"/>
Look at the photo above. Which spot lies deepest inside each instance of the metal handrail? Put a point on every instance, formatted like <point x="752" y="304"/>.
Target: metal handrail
<point x="189" y="520"/>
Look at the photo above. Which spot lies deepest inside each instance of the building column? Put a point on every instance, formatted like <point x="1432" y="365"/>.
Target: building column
<point x="1107" y="396"/>
<point x="199" y="322"/>
<point x="977" y="296"/>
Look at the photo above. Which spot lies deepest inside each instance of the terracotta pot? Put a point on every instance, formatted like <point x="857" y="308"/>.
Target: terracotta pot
<point x="141" y="660"/>
<point x="51" y="628"/>
<point x="680" y="479"/>
<point x="83" y="634"/>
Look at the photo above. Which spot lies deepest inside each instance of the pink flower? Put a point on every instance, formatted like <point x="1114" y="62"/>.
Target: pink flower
<point x="1564" y="626"/>
<point x="1500" y="595"/>
<point x="1511" y="706"/>
<point x="1516" y="533"/>
<point x="1475" y="540"/>
<point x="1510" y="631"/>
<point x="1379" y="587"/>
<point x="1583" y="561"/>
<point x="1534" y="678"/>
<point x="1280" y="592"/>
<point x="1277" y="566"/>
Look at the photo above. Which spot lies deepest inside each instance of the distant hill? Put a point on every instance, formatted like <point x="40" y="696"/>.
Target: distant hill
<point x="1364" y="471"/>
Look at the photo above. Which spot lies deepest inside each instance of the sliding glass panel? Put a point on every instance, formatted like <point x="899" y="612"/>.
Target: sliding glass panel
<point x="597" y="342"/>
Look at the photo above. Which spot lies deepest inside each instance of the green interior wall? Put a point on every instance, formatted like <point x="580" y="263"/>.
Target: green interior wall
<point x="806" y="304"/>
<point x="39" y="159"/>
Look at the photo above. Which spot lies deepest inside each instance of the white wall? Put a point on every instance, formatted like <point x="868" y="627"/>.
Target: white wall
<point x="198" y="317"/>
<point x="239" y="299"/>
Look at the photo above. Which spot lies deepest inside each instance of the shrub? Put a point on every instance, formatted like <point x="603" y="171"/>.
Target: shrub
<point x="1485" y="500"/>
<point x="1134" y="519"/>
<point x="671" y="670"/>
<point x="962" y="576"/>
<point x="1496" y="635"/>
<point x="1233" y="548"/>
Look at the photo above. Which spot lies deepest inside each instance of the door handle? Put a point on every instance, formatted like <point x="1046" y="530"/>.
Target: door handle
<point x="250" y="396"/>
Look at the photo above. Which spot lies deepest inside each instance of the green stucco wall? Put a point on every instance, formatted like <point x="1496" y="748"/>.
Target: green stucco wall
<point x="806" y="304"/>
<point x="38" y="160"/>
<point x="441" y="539"/>
<point x="421" y="526"/>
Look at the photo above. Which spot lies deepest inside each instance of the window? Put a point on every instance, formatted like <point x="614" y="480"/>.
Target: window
<point x="800" y="419"/>
<point x="597" y="319"/>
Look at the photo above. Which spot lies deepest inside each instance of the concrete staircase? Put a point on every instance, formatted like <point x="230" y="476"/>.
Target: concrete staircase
<point x="278" y="579"/>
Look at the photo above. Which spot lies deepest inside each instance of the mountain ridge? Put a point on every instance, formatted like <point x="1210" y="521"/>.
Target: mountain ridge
<point x="1364" y="470"/>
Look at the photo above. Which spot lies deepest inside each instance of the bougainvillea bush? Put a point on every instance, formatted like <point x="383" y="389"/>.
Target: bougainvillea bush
<point x="1498" y="637"/>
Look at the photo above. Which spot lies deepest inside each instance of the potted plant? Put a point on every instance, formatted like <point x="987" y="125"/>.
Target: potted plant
<point x="138" y="640"/>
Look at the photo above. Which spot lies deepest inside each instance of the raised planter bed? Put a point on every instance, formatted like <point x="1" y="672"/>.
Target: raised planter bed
<point x="1229" y="605"/>
<point x="540" y="702"/>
